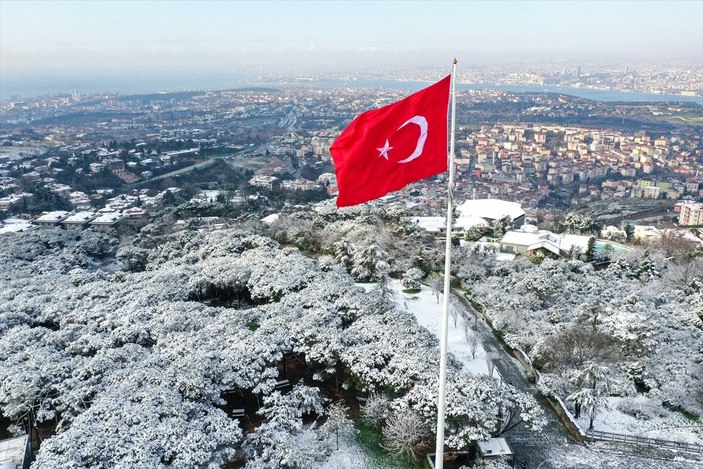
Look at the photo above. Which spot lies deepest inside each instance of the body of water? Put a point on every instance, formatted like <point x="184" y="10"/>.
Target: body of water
<point x="27" y="87"/>
<point x="125" y="84"/>
<point x="586" y="93"/>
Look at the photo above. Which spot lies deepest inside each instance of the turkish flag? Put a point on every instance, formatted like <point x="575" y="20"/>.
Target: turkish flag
<point x="385" y="149"/>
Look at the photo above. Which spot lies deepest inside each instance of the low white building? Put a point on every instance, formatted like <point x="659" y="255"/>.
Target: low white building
<point x="107" y="221"/>
<point x="52" y="219"/>
<point x="300" y="185"/>
<point x="78" y="220"/>
<point x="530" y="240"/>
<point x="13" y="200"/>
<point x="96" y="167"/>
<point x="263" y="181"/>
<point x="16" y="225"/>
<point x="492" y="209"/>
<point x="434" y="225"/>
<point x="80" y="200"/>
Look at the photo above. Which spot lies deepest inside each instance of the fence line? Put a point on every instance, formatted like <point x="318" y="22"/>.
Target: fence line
<point x="644" y="441"/>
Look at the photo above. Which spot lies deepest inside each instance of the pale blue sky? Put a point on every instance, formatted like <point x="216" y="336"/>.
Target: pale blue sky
<point x="102" y="36"/>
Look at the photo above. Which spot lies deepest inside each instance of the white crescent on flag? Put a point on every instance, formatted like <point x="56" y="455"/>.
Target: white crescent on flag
<point x="421" y="122"/>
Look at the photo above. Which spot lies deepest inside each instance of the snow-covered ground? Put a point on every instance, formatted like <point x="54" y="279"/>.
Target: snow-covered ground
<point x="656" y="421"/>
<point x="426" y="306"/>
<point x="350" y="455"/>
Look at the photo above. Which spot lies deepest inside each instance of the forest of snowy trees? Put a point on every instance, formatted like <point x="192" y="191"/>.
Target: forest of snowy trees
<point x="639" y="314"/>
<point x="134" y="352"/>
<point x="200" y="349"/>
<point x="635" y="327"/>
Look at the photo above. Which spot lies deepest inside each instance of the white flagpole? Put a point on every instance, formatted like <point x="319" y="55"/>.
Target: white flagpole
<point x="439" y="448"/>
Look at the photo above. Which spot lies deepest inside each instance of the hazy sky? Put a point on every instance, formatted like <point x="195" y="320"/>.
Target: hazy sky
<point x="124" y="36"/>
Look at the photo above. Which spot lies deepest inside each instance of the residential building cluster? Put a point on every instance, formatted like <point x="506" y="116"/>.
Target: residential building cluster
<point x="63" y="154"/>
<point x="529" y="163"/>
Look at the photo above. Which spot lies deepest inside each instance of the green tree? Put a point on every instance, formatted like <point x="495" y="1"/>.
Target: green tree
<point x="591" y="249"/>
<point x="629" y="232"/>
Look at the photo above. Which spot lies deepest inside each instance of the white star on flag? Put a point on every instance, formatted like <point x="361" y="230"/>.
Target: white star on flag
<point x="384" y="150"/>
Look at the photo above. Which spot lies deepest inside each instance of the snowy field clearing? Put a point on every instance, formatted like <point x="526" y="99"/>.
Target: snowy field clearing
<point x="426" y="306"/>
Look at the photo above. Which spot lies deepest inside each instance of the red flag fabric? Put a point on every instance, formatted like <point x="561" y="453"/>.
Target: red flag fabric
<point x="385" y="149"/>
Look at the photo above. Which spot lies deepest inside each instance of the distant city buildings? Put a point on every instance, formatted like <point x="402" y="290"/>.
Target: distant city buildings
<point x="267" y="182"/>
<point x="691" y="214"/>
<point x="281" y="138"/>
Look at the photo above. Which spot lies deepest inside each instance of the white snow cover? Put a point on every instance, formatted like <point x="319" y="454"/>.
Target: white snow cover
<point x="579" y="242"/>
<point x="533" y="239"/>
<point x="52" y="217"/>
<point x="495" y="446"/>
<point x="350" y="455"/>
<point x="80" y="217"/>
<point x="16" y="227"/>
<point x="108" y="218"/>
<point x="273" y="218"/>
<point x="431" y="224"/>
<point x="469" y="221"/>
<point x="491" y="209"/>
<point x="658" y="423"/>
<point x="426" y="306"/>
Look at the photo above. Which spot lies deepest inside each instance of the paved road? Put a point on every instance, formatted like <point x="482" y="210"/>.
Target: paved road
<point x="187" y="169"/>
<point x="554" y="447"/>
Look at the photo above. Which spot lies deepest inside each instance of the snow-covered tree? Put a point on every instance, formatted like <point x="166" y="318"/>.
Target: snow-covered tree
<point x="501" y="226"/>
<point x="369" y="263"/>
<point x="94" y="347"/>
<point x="135" y="258"/>
<point x="606" y="318"/>
<point x="141" y="421"/>
<point x="412" y="278"/>
<point x="283" y="441"/>
<point x="376" y="409"/>
<point x="338" y="423"/>
<point x="589" y="400"/>
<point x="581" y="223"/>
<point x="594" y="384"/>
<point x="405" y="434"/>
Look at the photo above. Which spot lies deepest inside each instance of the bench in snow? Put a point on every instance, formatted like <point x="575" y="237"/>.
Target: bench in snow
<point x="240" y="413"/>
<point x="284" y="383"/>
